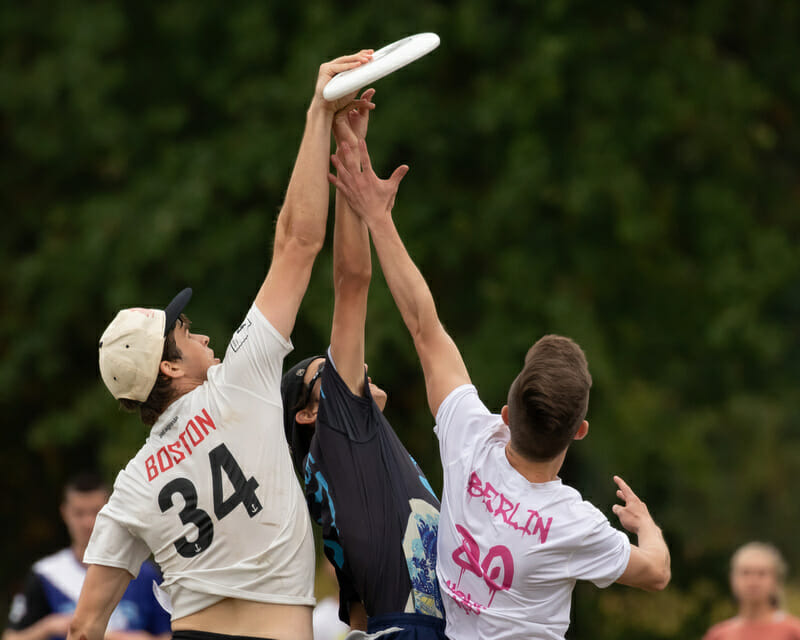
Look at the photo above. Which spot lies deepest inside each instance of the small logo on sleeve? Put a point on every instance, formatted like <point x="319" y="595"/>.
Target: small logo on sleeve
<point x="241" y="335"/>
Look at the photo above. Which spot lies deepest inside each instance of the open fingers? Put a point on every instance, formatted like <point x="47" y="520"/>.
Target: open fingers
<point x="364" y="155"/>
<point x="340" y="166"/>
<point x="622" y="485"/>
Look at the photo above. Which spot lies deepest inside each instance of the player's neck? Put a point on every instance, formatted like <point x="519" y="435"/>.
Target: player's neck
<point x="184" y="385"/>
<point x="532" y="471"/>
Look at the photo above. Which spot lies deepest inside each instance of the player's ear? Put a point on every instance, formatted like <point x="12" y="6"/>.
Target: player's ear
<point x="306" y="416"/>
<point x="504" y="414"/>
<point x="171" y="369"/>
<point x="582" y="430"/>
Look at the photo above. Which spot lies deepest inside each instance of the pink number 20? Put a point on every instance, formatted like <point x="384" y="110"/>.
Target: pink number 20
<point x="468" y="557"/>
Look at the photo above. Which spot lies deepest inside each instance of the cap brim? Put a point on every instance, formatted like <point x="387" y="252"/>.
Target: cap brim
<point x="174" y="309"/>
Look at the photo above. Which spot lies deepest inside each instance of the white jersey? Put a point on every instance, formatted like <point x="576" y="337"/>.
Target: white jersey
<point x="509" y="550"/>
<point x="212" y="493"/>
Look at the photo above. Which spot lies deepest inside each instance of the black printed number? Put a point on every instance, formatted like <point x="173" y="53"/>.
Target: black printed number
<point x="220" y="459"/>
<point x="244" y="491"/>
<point x="189" y="514"/>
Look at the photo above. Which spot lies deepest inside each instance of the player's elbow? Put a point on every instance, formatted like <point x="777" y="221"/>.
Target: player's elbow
<point x="662" y="580"/>
<point x="657" y="579"/>
<point x="299" y="230"/>
<point x="298" y="244"/>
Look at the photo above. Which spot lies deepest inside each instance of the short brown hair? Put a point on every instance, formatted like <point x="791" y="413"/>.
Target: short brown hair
<point x="84" y="482"/>
<point x="548" y="400"/>
<point x="162" y="394"/>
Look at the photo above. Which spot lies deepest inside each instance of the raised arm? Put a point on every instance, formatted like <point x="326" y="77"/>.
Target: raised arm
<point x="352" y="261"/>
<point x="102" y="590"/>
<point x="300" y="229"/>
<point x="649" y="564"/>
<point x="372" y="199"/>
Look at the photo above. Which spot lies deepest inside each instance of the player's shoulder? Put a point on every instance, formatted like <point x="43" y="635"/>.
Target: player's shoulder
<point x="464" y="396"/>
<point x="464" y="410"/>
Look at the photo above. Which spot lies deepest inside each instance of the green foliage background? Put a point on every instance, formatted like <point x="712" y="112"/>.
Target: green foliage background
<point x="625" y="173"/>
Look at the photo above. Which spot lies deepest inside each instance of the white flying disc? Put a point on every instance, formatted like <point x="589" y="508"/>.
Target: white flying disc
<point x="384" y="61"/>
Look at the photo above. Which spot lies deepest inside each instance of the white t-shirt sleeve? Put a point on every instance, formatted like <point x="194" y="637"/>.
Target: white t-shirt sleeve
<point x="113" y="545"/>
<point x="603" y="555"/>
<point x="255" y="354"/>
<point x="462" y="421"/>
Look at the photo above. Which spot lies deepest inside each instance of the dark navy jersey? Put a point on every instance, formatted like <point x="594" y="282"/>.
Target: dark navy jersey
<point x="378" y="513"/>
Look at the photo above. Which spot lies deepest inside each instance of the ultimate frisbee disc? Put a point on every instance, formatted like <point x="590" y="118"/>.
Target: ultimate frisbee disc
<point x="384" y="61"/>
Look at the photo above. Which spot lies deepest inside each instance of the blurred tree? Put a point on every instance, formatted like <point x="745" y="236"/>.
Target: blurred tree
<point x="624" y="173"/>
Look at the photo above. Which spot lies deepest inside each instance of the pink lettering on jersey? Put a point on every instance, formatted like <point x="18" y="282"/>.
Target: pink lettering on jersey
<point x="496" y="569"/>
<point x="492" y="570"/>
<point x="498" y="504"/>
<point x="467" y="556"/>
<point x="542" y="528"/>
<point x="464" y="601"/>
<point x="176" y="452"/>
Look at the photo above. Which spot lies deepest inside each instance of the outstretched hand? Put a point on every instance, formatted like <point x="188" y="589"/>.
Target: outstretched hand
<point x="633" y="514"/>
<point x="370" y="197"/>
<point x="350" y="123"/>
<point x="329" y="69"/>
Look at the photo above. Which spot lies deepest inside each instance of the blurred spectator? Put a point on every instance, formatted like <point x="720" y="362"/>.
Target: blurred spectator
<point x="44" y="608"/>
<point x="757" y="575"/>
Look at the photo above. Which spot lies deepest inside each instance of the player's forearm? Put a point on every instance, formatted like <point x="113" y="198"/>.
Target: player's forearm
<point x="102" y="590"/>
<point x="352" y="270"/>
<point x="409" y="289"/>
<point x="352" y="261"/>
<point x="305" y="209"/>
<point x="651" y="543"/>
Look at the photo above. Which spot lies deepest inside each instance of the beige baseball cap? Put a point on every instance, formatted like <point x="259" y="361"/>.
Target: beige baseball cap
<point x="132" y="345"/>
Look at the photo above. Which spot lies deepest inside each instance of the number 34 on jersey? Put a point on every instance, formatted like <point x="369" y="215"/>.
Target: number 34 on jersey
<point x="244" y="493"/>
